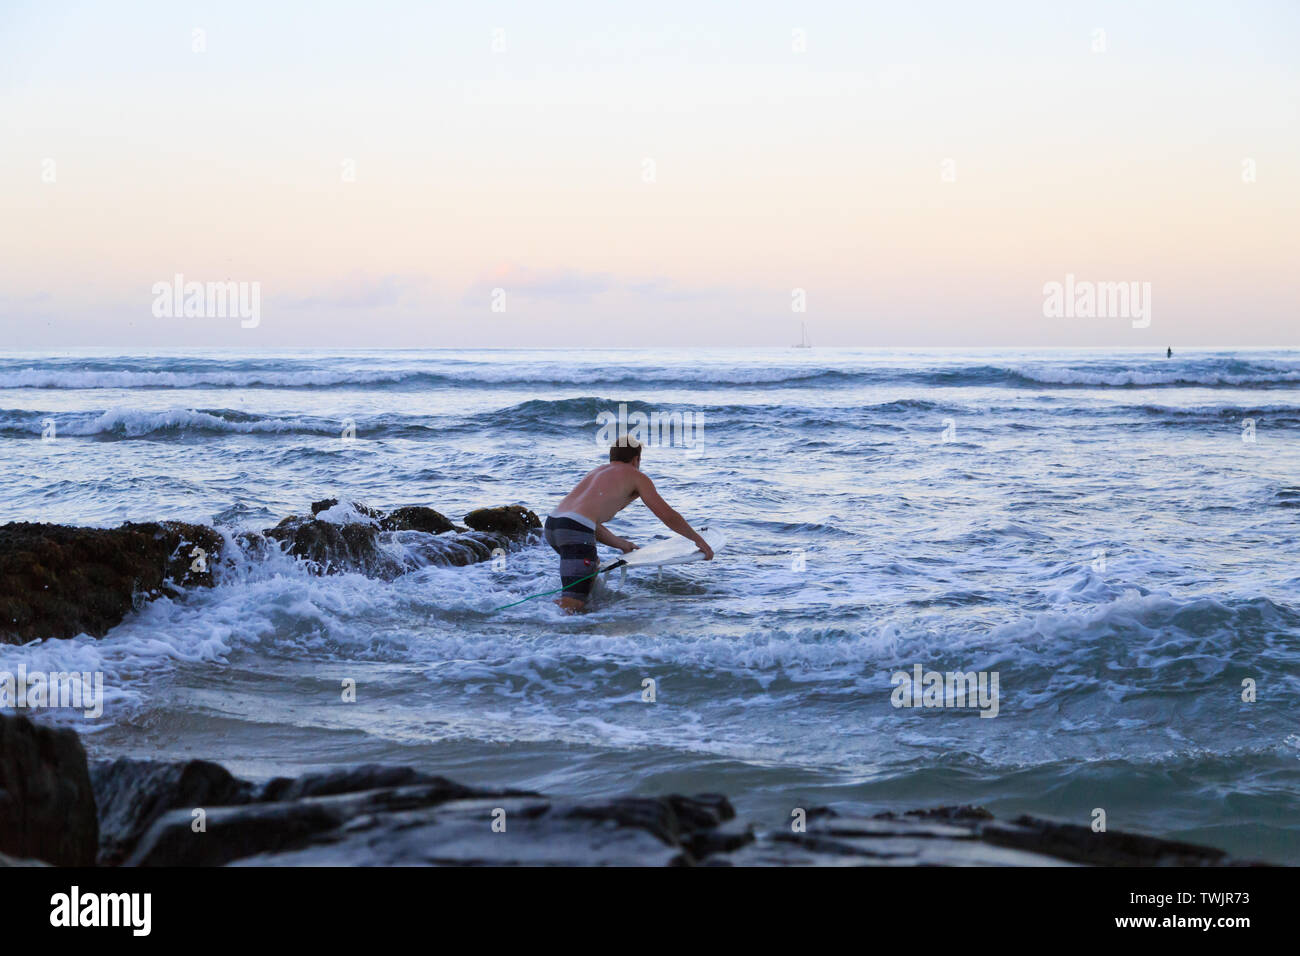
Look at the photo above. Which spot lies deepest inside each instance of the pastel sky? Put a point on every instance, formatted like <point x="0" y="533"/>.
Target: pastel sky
<point x="648" y="174"/>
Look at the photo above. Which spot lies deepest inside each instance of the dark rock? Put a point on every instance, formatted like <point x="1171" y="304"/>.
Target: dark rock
<point x="1080" y="844"/>
<point x="233" y="833"/>
<point x="711" y="845"/>
<point x="417" y="518"/>
<point x="347" y="780"/>
<point x="252" y="544"/>
<point x="405" y="827"/>
<point x="47" y="806"/>
<point x="963" y="812"/>
<point x="132" y="794"/>
<point x="667" y="818"/>
<point x="392" y="815"/>
<point x="13" y="861"/>
<point x="702" y="810"/>
<point x="325" y="504"/>
<point x="513" y="521"/>
<point x="331" y="548"/>
<point x="230" y="833"/>
<point x="59" y="581"/>
<point x="843" y="840"/>
<point x="379" y="815"/>
<point x="960" y="836"/>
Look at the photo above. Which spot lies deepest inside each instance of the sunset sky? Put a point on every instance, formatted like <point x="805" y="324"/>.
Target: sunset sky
<point x="379" y="168"/>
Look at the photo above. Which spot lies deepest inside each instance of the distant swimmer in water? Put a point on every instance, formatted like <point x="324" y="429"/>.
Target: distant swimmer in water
<point x="578" y="521"/>
<point x="1169" y="352"/>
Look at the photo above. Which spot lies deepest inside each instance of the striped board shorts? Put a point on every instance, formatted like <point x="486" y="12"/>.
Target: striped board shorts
<point x="574" y="539"/>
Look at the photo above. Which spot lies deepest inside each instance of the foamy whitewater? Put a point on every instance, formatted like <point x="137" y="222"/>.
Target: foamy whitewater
<point x="1090" y="526"/>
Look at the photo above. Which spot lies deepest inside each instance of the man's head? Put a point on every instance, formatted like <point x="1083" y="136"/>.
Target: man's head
<point x="626" y="450"/>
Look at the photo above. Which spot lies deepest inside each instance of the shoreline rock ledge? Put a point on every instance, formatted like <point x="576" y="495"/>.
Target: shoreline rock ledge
<point x="57" y="808"/>
<point x="59" y="581"/>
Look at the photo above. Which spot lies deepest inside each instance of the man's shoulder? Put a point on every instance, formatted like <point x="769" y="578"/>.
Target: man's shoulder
<point x="623" y="472"/>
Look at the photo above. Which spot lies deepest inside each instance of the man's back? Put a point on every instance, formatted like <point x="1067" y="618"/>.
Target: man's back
<point x="578" y="523"/>
<point x="603" y="492"/>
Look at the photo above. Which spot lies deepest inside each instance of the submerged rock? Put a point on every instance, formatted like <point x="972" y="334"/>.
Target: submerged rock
<point x="47" y="807"/>
<point x="59" y="581"/>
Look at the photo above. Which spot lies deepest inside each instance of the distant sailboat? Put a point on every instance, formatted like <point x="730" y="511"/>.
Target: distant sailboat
<point x="803" y="342"/>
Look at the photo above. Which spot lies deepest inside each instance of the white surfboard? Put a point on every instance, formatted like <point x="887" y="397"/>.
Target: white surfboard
<point x="674" y="550"/>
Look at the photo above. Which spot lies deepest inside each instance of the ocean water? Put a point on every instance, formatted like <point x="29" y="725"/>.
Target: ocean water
<point x="1095" y="528"/>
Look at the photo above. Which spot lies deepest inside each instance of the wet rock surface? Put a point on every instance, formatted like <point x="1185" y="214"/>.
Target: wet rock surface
<point x="47" y="807"/>
<point x="330" y="548"/>
<point x="62" y="581"/>
<point x="59" y="581"/>
<point x="377" y="815"/>
<point x="417" y="518"/>
<point x="437" y="822"/>
<point x="132" y="794"/>
<point x="964" y="836"/>
<point x="14" y="861"/>
<point x="346" y="780"/>
<point x="509" y="520"/>
<point x="356" y="537"/>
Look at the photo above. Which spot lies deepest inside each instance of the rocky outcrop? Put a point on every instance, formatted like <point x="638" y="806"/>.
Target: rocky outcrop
<point x="962" y="836"/>
<point x="1079" y="844"/>
<point x="437" y="822"/>
<point x="509" y="520"/>
<point x="47" y="807"/>
<point x="328" y="504"/>
<point x="352" y="537"/>
<point x="292" y="826"/>
<point x="405" y="518"/>
<point x="529" y="831"/>
<point x="330" y="547"/>
<point x="375" y="815"/>
<point x="347" y="780"/>
<point x="58" y="581"/>
<point x="417" y="518"/>
<point x="61" y="581"/>
<point x="132" y="794"/>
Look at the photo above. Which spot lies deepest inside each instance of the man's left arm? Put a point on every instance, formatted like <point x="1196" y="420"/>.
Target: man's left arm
<point x="607" y="537"/>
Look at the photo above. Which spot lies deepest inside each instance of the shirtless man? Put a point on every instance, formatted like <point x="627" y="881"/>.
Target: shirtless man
<point x="578" y="521"/>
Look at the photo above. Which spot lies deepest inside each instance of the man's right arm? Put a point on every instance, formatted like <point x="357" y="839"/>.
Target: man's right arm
<point x="664" y="512"/>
